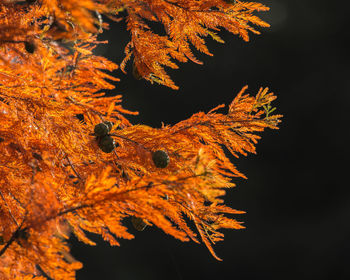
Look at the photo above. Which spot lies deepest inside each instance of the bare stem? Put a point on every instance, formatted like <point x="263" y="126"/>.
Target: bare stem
<point x="8" y="207"/>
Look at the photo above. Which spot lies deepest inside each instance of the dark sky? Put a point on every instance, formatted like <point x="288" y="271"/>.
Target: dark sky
<point x="296" y="195"/>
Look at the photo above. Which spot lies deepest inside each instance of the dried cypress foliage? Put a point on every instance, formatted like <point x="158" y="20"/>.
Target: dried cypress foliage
<point x="60" y="175"/>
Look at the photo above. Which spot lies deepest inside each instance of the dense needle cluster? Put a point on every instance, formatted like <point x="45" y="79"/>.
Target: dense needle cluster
<point x="71" y="162"/>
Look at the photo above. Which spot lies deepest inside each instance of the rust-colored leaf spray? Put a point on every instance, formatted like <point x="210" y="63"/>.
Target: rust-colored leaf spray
<point x="71" y="162"/>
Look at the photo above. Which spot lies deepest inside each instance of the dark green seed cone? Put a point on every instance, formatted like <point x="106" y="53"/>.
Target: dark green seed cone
<point x="160" y="159"/>
<point x="101" y="129"/>
<point x="138" y="223"/>
<point x="29" y="47"/>
<point x="106" y="144"/>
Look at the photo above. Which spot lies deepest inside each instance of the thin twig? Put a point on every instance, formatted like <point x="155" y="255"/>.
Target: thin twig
<point x="9" y="209"/>
<point x="13" y="238"/>
<point x="72" y="166"/>
<point x="130" y="140"/>
<point x="16" y="199"/>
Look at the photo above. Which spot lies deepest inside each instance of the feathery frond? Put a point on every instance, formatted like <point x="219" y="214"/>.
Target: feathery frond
<point x="72" y="163"/>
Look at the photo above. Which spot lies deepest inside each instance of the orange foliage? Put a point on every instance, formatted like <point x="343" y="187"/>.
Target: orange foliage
<point x="184" y="22"/>
<point x="60" y="174"/>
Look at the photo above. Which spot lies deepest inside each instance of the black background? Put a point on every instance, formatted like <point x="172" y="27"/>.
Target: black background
<point x="296" y="195"/>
